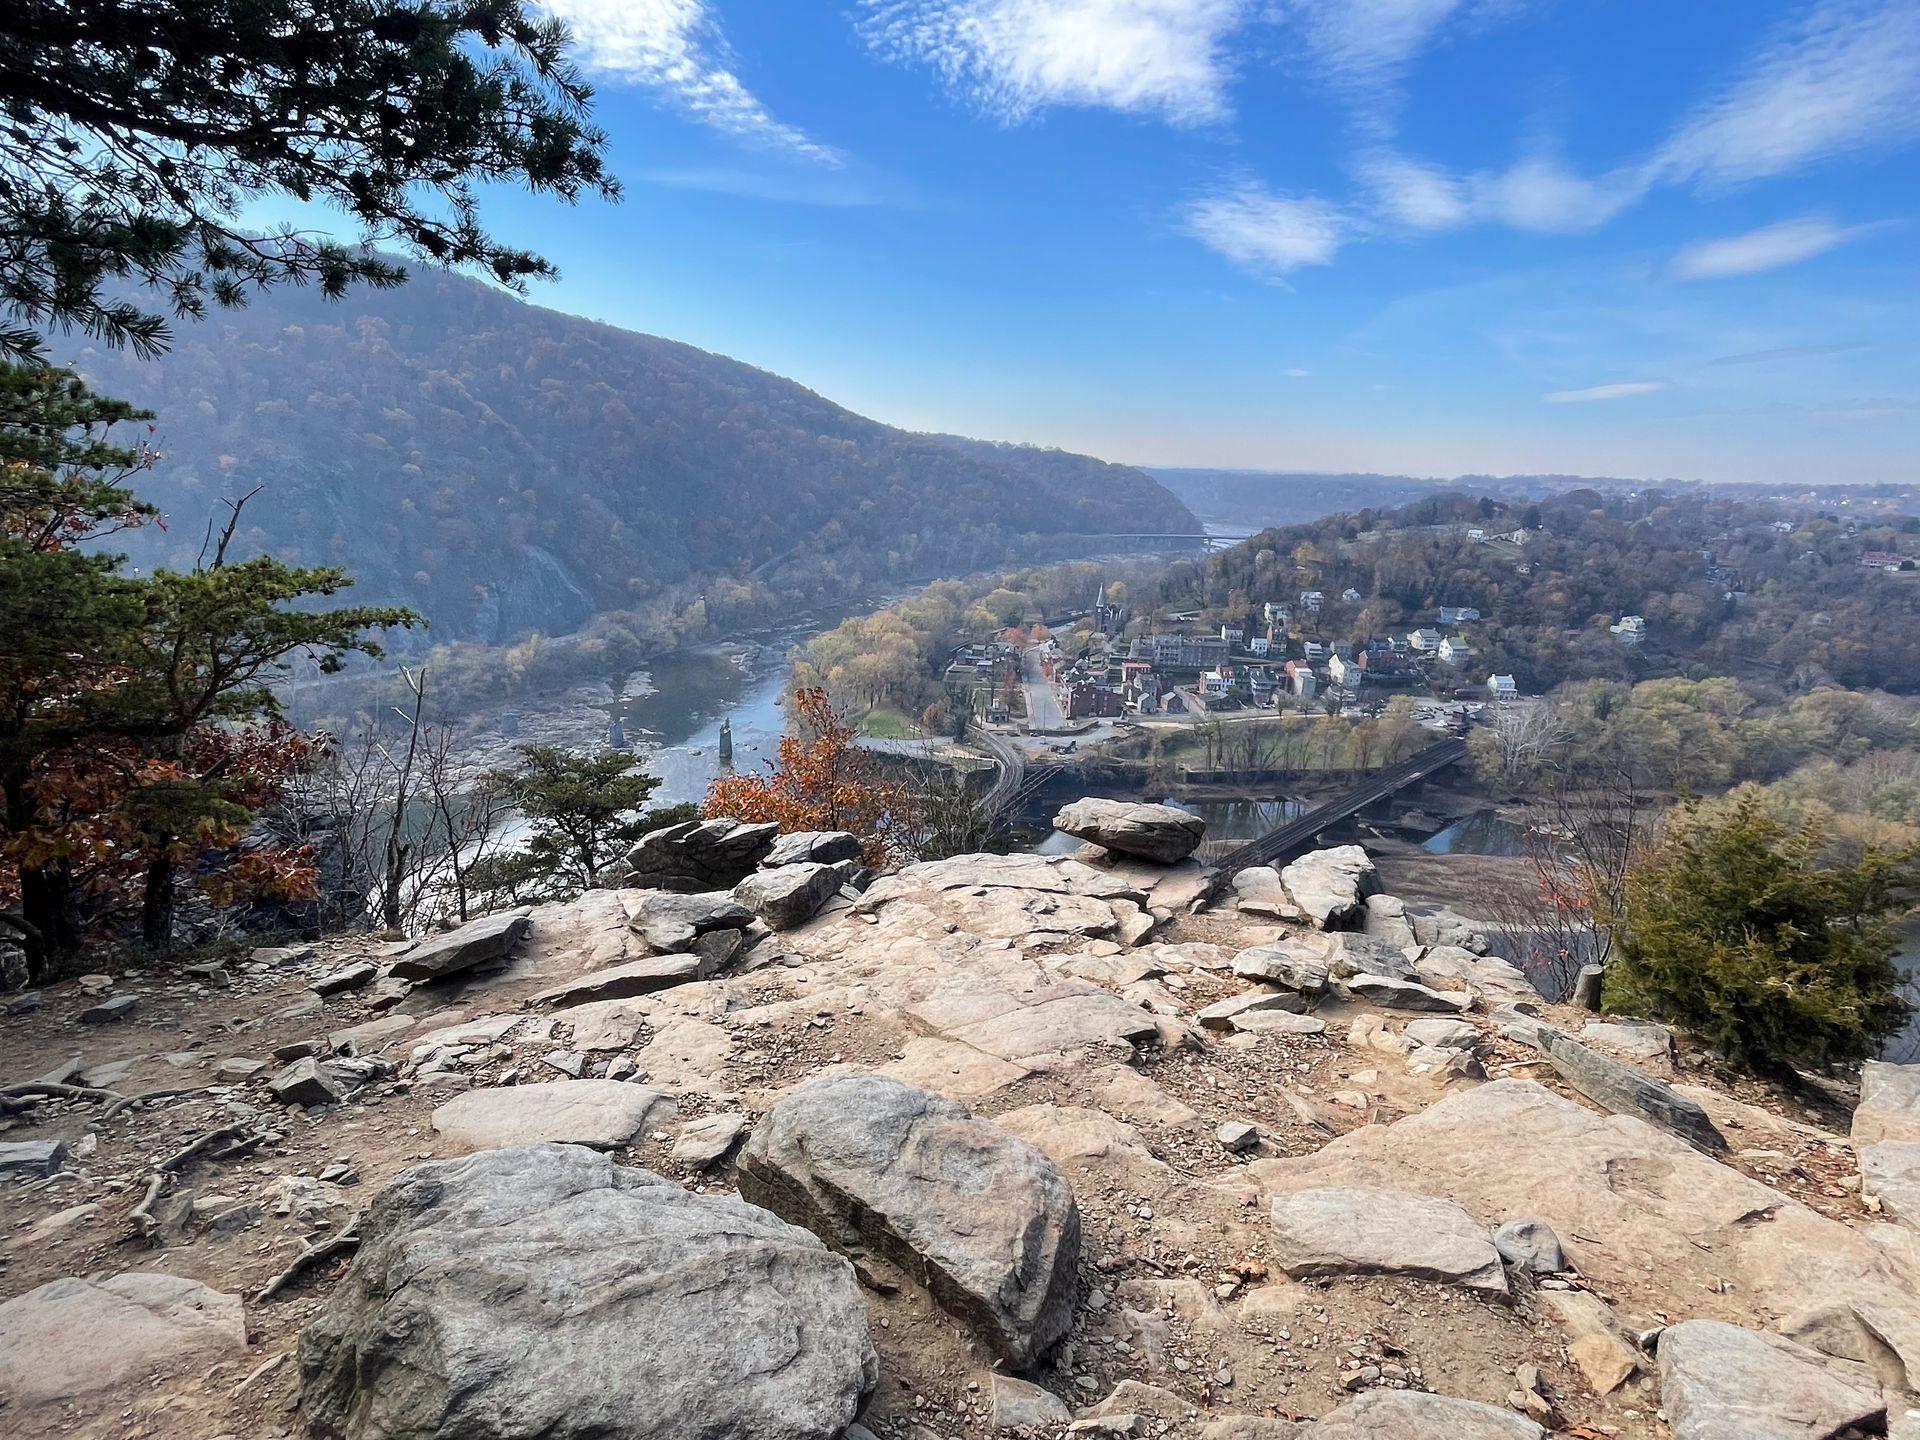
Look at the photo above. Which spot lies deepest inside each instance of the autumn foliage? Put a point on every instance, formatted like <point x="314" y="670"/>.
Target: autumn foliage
<point x="822" y="780"/>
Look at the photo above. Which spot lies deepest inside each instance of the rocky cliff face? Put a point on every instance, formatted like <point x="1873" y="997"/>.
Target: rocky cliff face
<point x="1002" y="1145"/>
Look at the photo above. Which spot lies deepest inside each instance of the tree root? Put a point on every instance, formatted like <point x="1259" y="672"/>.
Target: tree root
<point x="348" y="1239"/>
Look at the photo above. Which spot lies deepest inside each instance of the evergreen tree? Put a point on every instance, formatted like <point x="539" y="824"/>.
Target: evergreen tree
<point x="583" y="811"/>
<point x="137" y="132"/>
<point x="1737" y="928"/>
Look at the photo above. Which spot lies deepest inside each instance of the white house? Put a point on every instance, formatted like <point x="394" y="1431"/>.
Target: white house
<point x="1426" y="640"/>
<point x="1458" y="614"/>
<point x="1233" y="634"/>
<point x="1455" y="651"/>
<point x="1313" y="650"/>
<point x="1343" y="671"/>
<point x="1351" y="595"/>
<point x="1631" y="629"/>
<point x="1259" y="645"/>
<point x="1275" y="613"/>
<point x="1312" y="599"/>
<point x="1479" y="537"/>
<point x="1501" y="687"/>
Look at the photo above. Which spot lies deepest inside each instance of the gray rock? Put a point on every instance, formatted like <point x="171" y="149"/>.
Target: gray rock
<point x="1406" y="994"/>
<point x="1225" y="1014"/>
<point x="1020" y="1406"/>
<point x="25" y="1003"/>
<point x="1163" y="834"/>
<point x="790" y="895"/>
<point x="706" y="1141"/>
<point x="546" y="1293"/>
<point x="238" y="1069"/>
<point x="597" y="1113"/>
<point x="826" y="847"/>
<point x="30" y="1159"/>
<point x="77" y="1335"/>
<point x="1331" y="886"/>
<point x="718" y="948"/>
<point x="1253" y="1427"/>
<point x="1414" y="1415"/>
<point x="670" y="921"/>
<point x="699" y="855"/>
<point x="984" y="1220"/>
<point x="1257" y="891"/>
<point x="1357" y="1230"/>
<point x="347" y="977"/>
<point x="117" y="1007"/>
<point x="307" y="1081"/>
<point x="1530" y="1246"/>
<point x="1627" y="1091"/>
<point x="622" y="982"/>
<point x="1720" y="1382"/>
<point x="1275" y="1022"/>
<point x="1889" y="1106"/>
<point x="482" y="943"/>
<point x="1440" y="926"/>
<point x="1236" y="1135"/>
<point x="1890" y="1172"/>
<point x="1442" y="1034"/>
<point x="1633" y="1039"/>
<point x="369" y="1034"/>
<point x="1386" y="919"/>
<point x="1286" y="963"/>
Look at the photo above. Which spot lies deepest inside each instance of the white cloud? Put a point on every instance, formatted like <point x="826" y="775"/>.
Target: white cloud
<point x="1842" y="78"/>
<point x="1252" y="226"/>
<point x="1624" y="391"/>
<point x="1541" y="194"/>
<point x="1016" y="57"/>
<point x="1421" y="197"/>
<point x="1294" y="372"/>
<point x="676" y="47"/>
<point x="1368" y="44"/>
<point x="1768" y="248"/>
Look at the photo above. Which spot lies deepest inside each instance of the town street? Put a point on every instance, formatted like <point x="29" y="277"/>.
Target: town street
<point x="1043" y="706"/>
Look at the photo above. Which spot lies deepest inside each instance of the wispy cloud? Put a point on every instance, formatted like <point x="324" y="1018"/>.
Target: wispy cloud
<point x="1625" y="390"/>
<point x="1842" y="77"/>
<point x="1786" y="352"/>
<point x="1769" y="248"/>
<point x="1417" y="196"/>
<point x="1016" y="57"/>
<point x="676" y="48"/>
<point x="1269" y="233"/>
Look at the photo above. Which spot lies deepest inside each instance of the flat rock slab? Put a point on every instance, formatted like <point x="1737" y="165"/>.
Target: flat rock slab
<point x="1720" y="1382"/>
<point x="1627" y="1091"/>
<point x="545" y="1293"/>
<point x="77" y="1335"/>
<point x="598" y="1113"/>
<point x="1353" y="1230"/>
<point x="1331" y="886"/>
<point x="828" y="847"/>
<point x="1226" y="1014"/>
<point x="1160" y="833"/>
<point x="623" y="982"/>
<point x="1276" y="1022"/>
<point x="984" y="1220"/>
<point x="1407" y="995"/>
<point x="670" y="921"/>
<point x="478" y="944"/>
<point x="31" y="1158"/>
<point x="1290" y="964"/>
<point x="1889" y="1106"/>
<point x="1413" y="1415"/>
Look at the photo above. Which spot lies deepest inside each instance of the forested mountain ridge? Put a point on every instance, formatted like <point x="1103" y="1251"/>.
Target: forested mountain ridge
<point x="505" y="468"/>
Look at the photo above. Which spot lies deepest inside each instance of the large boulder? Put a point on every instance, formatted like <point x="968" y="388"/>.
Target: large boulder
<point x="984" y="1220"/>
<point x="823" y="847"/>
<point x="479" y="944"/>
<point x="1890" y="1173"/>
<point x="1721" y="1382"/>
<point x="80" y="1334"/>
<point x="1356" y="1230"/>
<point x="1331" y="886"/>
<point x="1415" y="1415"/>
<point x="645" y="976"/>
<point x="1164" y="834"/>
<point x="792" y="894"/>
<point x="674" y="921"/>
<point x="699" y="855"/>
<point x="545" y="1293"/>
<point x="1628" y="1091"/>
<point x="599" y="1113"/>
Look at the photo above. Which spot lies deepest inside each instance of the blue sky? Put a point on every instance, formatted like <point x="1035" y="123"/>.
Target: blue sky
<point x="1636" y="237"/>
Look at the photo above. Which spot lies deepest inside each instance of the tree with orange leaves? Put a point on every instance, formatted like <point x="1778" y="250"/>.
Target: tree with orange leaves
<point x="823" y="780"/>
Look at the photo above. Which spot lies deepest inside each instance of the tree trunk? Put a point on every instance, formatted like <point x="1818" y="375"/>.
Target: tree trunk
<point x="46" y="891"/>
<point x="156" y="906"/>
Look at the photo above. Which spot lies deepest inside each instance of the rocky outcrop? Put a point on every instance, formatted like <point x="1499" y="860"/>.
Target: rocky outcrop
<point x="699" y="855"/>
<point x="479" y="944"/>
<point x="1720" y="1382"/>
<point x="545" y="1293"/>
<point x="1890" y="1174"/>
<point x="76" y="1335"/>
<point x="983" y="1220"/>
<point x="672" y="921"/>
<point x="599" y="1113"/>
<point x="1356" y="1230"/>
<point x="1889" y="1107"/>
<point x="822" y="847"/>
<point x="645" y="976"/>
<point x="1163" y="834"/>
<point x="792" y="894"/>
<point x="1331" y="886"/>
